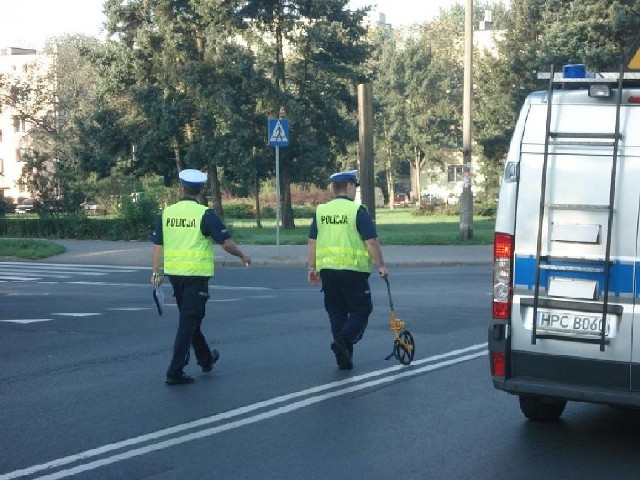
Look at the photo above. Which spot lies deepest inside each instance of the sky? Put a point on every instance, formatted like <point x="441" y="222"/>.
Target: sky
<point x="29" y="23"/>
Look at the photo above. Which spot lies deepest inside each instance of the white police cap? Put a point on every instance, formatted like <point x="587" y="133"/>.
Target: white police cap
<point x="348" y="176"/>
<point x="192" y="178"/>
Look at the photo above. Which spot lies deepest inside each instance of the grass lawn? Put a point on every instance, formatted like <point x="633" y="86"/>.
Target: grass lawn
<point x="395" y="227"/>
<point x="29" y="249"/>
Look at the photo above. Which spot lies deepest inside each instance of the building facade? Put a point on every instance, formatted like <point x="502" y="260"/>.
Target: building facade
<point x="15" y="63"/>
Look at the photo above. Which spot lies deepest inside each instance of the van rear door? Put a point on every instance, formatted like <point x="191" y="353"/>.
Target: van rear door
<point x="565" y="349"/>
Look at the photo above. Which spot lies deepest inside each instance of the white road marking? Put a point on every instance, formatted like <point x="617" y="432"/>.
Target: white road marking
<point x="73" y="266"/>
<point x="77" y="314"/>
<point x="314" y="395"/>
<point x="128" y="309"/>
<point x="19" y="279"/>
<point x="28" y="320"/>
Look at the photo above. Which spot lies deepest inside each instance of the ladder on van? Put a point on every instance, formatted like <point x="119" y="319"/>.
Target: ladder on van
<point x="545" y="262"/>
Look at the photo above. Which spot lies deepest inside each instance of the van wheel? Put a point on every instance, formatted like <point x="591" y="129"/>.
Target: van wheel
<point x="541" y="409"/>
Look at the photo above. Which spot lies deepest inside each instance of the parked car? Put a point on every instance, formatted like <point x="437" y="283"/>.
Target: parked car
<point x="453" y="199"/>
<point x="26" y="206"/>
<point x="431" y="199"/>
<point x="93" y="209"/>
<point x="401" y="200"/>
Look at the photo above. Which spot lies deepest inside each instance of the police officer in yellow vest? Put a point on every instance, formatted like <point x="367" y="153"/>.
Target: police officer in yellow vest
<point x="342" y="243"/>
<point x="183" y="239"/>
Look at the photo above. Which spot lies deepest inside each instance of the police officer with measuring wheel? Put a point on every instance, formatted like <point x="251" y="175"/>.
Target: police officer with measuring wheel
<point x="342" y="242"/>
<point x="183" y="240"/>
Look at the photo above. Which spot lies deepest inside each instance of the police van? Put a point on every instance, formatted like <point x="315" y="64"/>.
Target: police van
<point x="566" y="280"/>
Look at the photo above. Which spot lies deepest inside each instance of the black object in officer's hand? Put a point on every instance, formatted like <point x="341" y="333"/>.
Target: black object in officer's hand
<point x="158" y="298"/>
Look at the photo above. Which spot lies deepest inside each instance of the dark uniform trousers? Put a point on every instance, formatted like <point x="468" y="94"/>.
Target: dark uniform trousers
<point x="347" y="300"/>
<point x="191" y="295"/>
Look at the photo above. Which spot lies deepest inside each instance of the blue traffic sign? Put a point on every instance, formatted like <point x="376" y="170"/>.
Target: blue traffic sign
<point x="278" y="132"/>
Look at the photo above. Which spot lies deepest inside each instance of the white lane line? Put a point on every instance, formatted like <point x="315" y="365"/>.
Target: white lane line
<point x="461" y="355"/>
<point x="254" y="419"/>
<point x="82" y="314"/>
<point x="28" y="320"/>
<point x="20" y="279"/>
<point x="223" y="287"/>
<point x="50" y="273"/>
<point x="73" y="266"/>
<point x="32" y="275"/>
<point x="28" y="294"/>
<point x="128" y="309"/>
<point x="107" y="284"/>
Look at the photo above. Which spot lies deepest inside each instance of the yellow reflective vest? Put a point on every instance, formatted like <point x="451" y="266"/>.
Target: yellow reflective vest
<point x="339" y="246"/>
<point x="186" y="250"/>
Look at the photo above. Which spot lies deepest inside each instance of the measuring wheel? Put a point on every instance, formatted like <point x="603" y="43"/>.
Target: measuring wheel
<point x="404" y="348"/>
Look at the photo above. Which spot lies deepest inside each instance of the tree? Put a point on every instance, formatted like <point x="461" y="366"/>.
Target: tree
<point x="53" y="97"/>
<point x="314" y="65"/>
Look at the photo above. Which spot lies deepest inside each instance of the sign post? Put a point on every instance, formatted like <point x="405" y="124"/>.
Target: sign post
<point x="278" y="134"/>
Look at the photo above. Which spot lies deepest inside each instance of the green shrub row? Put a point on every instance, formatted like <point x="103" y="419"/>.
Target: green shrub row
<point x="480" y="209"/>
<point x="246" y="211"/>
<point x="75" y="227"/>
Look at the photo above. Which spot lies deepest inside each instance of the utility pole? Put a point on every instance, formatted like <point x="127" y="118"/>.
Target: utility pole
<point x="365" y="147"/>
<point x="466" y="199"/>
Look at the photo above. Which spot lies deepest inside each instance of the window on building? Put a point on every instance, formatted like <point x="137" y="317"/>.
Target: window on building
<point x="18" y="155"/>
<point x="454" y="173"/>
<point x="1" y="167"/>
<point x="19" y="124"/>
<point x="0" y="135"/>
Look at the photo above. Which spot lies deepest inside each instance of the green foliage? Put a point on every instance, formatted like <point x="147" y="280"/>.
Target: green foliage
<point x="29" y="249"/>
<point x="75" y="227"/>
<point x="239" y="210"/>
<point x="486" y="209"/>
<point x="5" y="207"/>
<point x="174" y="88"/>
<point x="140" y="212"/>
<point x="243" y="210"/>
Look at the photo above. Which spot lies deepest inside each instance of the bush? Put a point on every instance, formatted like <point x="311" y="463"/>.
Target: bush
<point x="304" y="211"/>
<point x="5" y="207"/>
<point x="485" y="209"/>
<point x="238" y="209"/>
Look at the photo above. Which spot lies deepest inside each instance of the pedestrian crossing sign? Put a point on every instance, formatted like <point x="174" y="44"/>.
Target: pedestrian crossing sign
<point x="278" y="132"/>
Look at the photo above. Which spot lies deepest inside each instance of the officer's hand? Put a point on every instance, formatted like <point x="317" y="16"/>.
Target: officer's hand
<point x="156" y="279"/>
<point x="383" y="272"/>
<point x="313" y="277"/>
<point x="246" y="259"/>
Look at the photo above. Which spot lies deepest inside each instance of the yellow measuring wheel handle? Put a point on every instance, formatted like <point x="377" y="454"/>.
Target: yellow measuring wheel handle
<point x="396" y="325"/>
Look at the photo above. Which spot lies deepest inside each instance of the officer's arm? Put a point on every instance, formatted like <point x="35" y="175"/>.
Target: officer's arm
<point x="312" y="273"/>
<point x="376" y="253"/>
<point x="156" y="262"/>
<point x="230" y="246"/>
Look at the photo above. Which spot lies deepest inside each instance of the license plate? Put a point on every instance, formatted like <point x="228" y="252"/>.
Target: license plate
<point x="580" y="324"/>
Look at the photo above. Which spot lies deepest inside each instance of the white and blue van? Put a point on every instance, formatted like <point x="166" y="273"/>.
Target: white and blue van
<point x="566" y="283"/>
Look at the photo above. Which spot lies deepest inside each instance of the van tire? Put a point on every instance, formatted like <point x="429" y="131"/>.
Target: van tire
<point x="541" y="409"/>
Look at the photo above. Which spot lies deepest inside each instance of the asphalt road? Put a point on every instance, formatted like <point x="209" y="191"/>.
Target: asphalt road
<point x="82" y="391"/>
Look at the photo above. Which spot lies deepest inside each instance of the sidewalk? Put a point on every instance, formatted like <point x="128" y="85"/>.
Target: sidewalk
<point x="98" y="252"/>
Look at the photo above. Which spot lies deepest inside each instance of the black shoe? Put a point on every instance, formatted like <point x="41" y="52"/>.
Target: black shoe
<point x="180" y="379"/>
<point x="343" y="357"/>
<point x="214" y="358"/>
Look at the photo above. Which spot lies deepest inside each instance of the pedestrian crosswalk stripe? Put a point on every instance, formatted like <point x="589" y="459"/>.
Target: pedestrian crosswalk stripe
<point x="28" y="320"/>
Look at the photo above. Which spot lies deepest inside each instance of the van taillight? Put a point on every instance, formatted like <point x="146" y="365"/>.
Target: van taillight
<point x="502" y="271"/>
<point x="497" y="365"/>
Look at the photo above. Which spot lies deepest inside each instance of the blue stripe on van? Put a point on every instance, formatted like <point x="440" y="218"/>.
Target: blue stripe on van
<point x="621" y="277"/>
